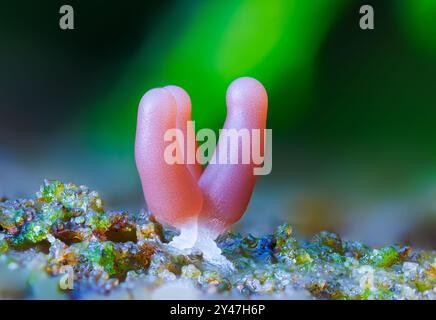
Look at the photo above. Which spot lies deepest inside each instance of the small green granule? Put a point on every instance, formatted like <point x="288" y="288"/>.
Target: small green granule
<point x="190" y="271"/>
<point x="384" y="257"/>
<point x="3" y="246"/>
<point x="329" y="239"/>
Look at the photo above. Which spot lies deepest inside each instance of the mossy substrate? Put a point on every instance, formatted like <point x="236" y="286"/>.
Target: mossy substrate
<point x="65" y="232"/>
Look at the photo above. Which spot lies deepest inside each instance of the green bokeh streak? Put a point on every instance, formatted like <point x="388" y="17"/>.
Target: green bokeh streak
<point x="275" y="41"/>
<point x="418" y="22"/>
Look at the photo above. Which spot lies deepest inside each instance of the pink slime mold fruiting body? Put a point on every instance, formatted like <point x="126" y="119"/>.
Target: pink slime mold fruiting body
<point x="227" y="188"/>
<point x="171" y="191"/>
<point x="202" y="204"/>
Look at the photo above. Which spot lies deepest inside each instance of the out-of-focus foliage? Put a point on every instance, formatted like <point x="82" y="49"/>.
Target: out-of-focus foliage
<point x="418" y="21"/>
<point x="217" y="41"/>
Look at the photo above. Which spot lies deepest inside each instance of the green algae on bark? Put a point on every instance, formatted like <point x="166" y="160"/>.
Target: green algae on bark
<point x="121" y="255"/>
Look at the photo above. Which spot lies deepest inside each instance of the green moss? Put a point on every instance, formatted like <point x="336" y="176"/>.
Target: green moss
<point x="286" y="246"/>
<point x="107" y="258"/>
<point x="120" y="252"/>
<point x="424" y="284"/>
<point x="364" y="295"/>
<point x="3" y="246"/>
<point x="190" y="271"/>
<point x="51" y="191"/>
<point x="14" y="214"/>
<point x="101" y="254"/>
<point x="356" y="249"/>
<point x="330" y="240"/>
<point x="385" y="294"/>
<point x="302" y="257"/>
<point x="98" y="221"/>
<point x="70" y="196"/>
<point x="384" y="257"/>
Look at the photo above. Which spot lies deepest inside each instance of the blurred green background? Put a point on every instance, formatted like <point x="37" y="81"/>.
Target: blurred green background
<point x="352" y="111"/>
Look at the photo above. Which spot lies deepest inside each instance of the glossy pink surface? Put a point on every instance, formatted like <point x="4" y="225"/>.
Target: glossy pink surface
<point x="171" y="192"/>
<point x="222" y="193"/>
<point x="227" y="188"/>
